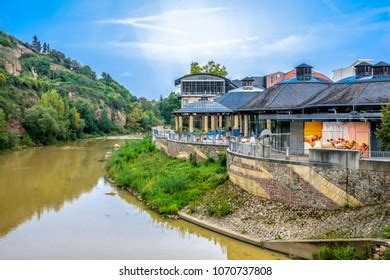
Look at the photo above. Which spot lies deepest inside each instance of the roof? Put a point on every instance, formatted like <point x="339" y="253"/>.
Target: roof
<point x="355" y="93"/>
<point x="204" y="107"/>
<point x="303" y="65"/>
<point x="311" y="79"/>
<point x="381" y="64"/>
<point x="369" y="90"/>
<point x="285" y="96"/>
<point x="178" y="81"/>
<point x="248" y="79"/>
<point x="258" y="81"/>
<point x="363" y="64"/>
<point x="236" y="98"/>
<point x="292" y="74"/>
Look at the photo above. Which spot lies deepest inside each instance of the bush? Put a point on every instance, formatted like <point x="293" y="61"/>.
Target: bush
<point x="386" y="233"/>
<point x="340" y="253"/>
<point x="6" y="41"/>
<point x="219" y="209"/>
<point x="166" y="184"/>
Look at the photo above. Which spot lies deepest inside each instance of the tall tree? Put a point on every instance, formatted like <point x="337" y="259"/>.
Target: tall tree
<point x="195" y="68"/>
<point x="210" y="67"/>
<point x="44" y="48"/>
<point x="383" y="131"/>
<point x="48" y="48"/>
<point x="36" y="44"/>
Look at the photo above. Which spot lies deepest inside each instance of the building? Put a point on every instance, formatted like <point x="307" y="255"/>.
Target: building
<point x="349" y="71"/>
<point x="258" y="81"/>
<point x="274" y="78"/>
<point x="218" y="115"/>
<point x="315" y="113"/>
<point x="195" y="87"/>
<point x="302" y="112"/>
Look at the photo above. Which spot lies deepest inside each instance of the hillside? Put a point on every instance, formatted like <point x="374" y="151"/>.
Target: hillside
<point x="47" y="97"/>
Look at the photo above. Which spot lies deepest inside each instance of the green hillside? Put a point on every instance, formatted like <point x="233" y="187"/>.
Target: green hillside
<point x="46" y="97"/>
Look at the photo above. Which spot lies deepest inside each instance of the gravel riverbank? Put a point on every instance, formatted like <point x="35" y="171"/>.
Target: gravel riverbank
<point x="270" y="220"/>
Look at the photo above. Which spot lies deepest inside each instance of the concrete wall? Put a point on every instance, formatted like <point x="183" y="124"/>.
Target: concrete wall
<point x="297" y="141"/>
<point x="308" y="184"/>
<point x="343" y="158"/>
<point x="184" y="150"/>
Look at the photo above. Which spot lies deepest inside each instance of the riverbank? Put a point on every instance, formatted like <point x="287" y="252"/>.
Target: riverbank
<point x="270" y="220"/>
<point x="165" y="184"/>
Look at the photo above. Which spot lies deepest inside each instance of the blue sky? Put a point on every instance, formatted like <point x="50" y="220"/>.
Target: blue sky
<point x="147" y="44"/>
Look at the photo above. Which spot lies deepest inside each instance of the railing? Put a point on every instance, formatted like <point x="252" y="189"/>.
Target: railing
<point x="380" y="154"/>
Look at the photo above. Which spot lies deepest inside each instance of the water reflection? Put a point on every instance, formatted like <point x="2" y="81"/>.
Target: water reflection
<point x="54" y="205"/>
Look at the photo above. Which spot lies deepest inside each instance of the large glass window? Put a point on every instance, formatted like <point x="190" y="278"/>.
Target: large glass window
<point x="202" y="87"/>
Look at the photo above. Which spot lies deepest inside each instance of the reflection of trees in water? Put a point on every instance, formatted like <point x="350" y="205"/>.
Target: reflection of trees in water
<point x="234" y="249"/>
<point x="33" y="181"/>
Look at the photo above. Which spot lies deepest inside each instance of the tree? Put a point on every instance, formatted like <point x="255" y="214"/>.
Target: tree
<point x="48" y="48"/>
<point x="195" y="68"/>
<point x="104" y="123"/>
<point x="169" y="104"/>
<point x="3" y="131"/>
<point x="211" y="67"/>
<point x="133" y="121"/>
<point x="44" y="48"/>
<point x="87" y="114"/>
<point x="36" y="44"/>
<point x="87" y="71"/>
<point x="383" y="131"/>
<point x="215" y="68"/>
<point x="53" y="99"/>
<point x="42" y="124"/>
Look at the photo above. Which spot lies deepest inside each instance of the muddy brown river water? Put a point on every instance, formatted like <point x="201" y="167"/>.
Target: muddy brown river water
<point x="56" y="204"/>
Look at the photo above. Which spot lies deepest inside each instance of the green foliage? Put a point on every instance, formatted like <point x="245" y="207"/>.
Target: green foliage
<point x="211" y="67"/>
<point x="53" y="99"/>
<point x="104" y="124"/>
<point x="86" y="112"/>
<point x="219" y="204"/>
<point x="167" y="184"/>
<point x="42" y="124"/>
<point x="386" y="254"/>
<point x="383" y="131"/>
<point x="386" y="233"/>
<point x="219" y="209"/>
<point x="38" y="63"/>
<point x="6" y="40"/>
<point x="340" y="253"/>
<point x="168" y="105"/>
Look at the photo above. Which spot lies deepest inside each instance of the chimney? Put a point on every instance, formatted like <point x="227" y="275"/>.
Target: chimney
<point x="363" y="69"/>
<point x="303" y="72"/>
<point x="381" y="69"/>
<point x="248" y="82"/>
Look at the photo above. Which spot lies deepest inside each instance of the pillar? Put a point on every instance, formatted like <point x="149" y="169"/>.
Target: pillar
<point x="191" y="123"/>
<point x="235" y="122"/>
<point x="212" y="122"/>
<point x="228" y="121"/>
<point x="180" y="123"/>
<point x="269" y="124"/>
<point x="240" y="117"/>
<point x="220" y="121"/>
<point x="246" y="126"/>
<point x="176" y="123"/>
<point x="205" y="123"/>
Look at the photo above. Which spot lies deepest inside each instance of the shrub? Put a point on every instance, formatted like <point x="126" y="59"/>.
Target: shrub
<point x="386" y="233"/>
<point x="219" y="209"/>
<point x="340" y="253"/>
<point x="166" y="184"/>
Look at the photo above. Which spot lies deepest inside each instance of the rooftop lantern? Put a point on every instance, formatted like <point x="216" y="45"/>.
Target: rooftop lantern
<point x="248" y="82"/>
<point x="363" y="69"/>
<point x="303" y="72"/>
<point x="381" y="69"/>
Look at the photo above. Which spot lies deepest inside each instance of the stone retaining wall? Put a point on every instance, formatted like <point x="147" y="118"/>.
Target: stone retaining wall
<point x="184" y="150"/>
<point x="307" y="183"/>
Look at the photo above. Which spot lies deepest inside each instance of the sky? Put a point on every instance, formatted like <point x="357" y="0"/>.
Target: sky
<point x="146" y="45"/>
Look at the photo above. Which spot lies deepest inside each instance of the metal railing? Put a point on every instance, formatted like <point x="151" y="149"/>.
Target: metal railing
<point x="379" y="154"/>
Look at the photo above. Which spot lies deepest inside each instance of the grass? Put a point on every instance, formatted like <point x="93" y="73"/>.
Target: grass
<point x="386" y="233"/>
<point x="340" y="253"/>
<point x="166" y="184"/>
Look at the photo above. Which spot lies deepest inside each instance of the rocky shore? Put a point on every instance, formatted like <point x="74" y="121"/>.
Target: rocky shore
<point x="270" y="220"/>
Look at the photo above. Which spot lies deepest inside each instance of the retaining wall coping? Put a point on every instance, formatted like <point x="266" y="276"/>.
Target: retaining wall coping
<point x="285" y="161"/>
<point x="199" y="144"/>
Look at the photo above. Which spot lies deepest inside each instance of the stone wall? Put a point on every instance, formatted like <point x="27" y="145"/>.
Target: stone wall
<point x="308" y="184"/>
<point x="184" y="150"/>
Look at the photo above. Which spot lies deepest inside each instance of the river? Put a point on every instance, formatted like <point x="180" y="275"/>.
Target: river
<point x="56" y="204"/>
